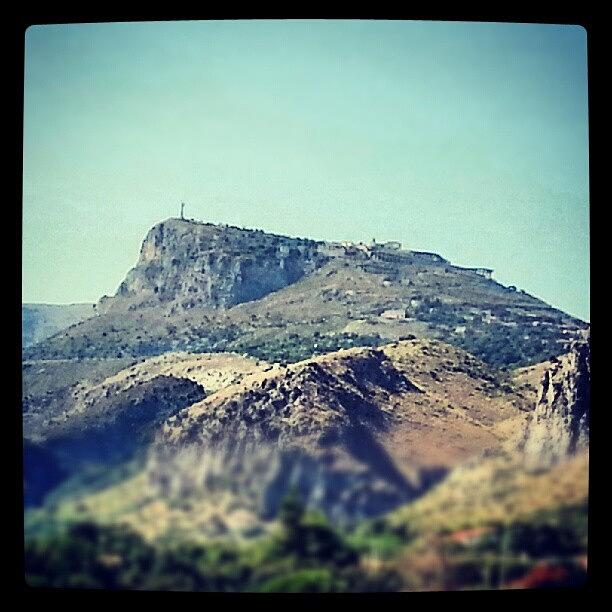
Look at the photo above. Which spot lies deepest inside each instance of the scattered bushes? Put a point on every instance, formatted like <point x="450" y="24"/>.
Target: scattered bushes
<point x="292" y="347"/>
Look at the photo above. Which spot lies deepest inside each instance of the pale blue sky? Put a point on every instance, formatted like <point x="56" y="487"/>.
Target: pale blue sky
<point x="467" y="139"/>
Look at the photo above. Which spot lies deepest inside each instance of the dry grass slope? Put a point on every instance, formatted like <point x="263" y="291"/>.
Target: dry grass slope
<point x="493" y="490"/>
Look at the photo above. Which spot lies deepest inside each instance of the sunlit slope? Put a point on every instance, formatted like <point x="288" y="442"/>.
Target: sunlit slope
<point x="541" y="464"/>
<point x="495" y="490"/>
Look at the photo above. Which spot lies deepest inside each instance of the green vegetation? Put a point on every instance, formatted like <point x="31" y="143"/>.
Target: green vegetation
<point x="503" y="346"/>
<point x="505" y="340"/>
<point x="305" y="555"/>
<point x="291" y="348"/>
<point x="94" y="477"/>
<point x="378" y="539"/>
<point x="285" y="346"/>
<point x="551" y="533"/>
<point x="500" y="335"/>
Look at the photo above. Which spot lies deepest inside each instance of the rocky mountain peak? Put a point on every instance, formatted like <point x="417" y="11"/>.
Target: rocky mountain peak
<point x="191" y="264"/>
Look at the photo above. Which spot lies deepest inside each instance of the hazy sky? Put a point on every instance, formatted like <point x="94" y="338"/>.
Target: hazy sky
<point x="467" y="139"/>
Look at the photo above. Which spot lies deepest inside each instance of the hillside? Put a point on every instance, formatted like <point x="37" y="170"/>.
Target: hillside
<point x="234" y="367"/>
<point x="358" y="432"/>
<point x="495" y="489"/>
<point x="104" y="412"/>
<point x="206" y="288"/>
<point x="541" y="464"/>
<point x="58" y="393"/>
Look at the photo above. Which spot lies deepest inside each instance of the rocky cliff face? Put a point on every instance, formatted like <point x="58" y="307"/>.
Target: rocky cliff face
<point x="193" y="264"/>
<point x="259" y="474"/>
<point x="560" y="424"/>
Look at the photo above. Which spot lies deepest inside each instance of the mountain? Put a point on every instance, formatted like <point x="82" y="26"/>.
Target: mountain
<point x="39" y="321"/>
<point x="210" y="288"/>
<point x="402" y="397"/>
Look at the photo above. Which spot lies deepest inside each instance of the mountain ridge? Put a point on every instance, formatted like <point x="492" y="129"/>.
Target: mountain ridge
<point x="204" y="287"/>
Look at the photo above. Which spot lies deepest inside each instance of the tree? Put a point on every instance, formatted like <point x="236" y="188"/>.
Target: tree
<point x="290" y="514"/>
<point x="308" y="537"/>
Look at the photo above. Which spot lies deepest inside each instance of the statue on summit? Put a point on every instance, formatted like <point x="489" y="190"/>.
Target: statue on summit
<point x="182" y="210"/>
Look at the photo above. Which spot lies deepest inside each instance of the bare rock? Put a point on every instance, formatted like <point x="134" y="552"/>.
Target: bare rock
<point x="560" y="423"/>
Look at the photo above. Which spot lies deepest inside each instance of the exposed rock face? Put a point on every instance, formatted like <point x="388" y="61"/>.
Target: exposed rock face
<point x="260" y="474"/>
<point x="203" y="265"/>
<point x="560" y="424"/>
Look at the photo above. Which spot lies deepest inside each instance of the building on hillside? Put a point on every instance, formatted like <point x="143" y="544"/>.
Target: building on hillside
<point x="428" y="257"/>
<point x="364" y="248"/>
<point x="484" y="272"/>
<point x="331" y="249"/>
<point x="386" y="246"/>
<point x="395" y="313"/>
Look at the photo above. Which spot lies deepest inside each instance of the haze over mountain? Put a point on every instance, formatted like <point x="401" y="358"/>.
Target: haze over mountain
<point x="39" y="321"/>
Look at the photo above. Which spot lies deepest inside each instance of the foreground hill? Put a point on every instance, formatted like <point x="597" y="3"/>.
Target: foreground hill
<point x="201" y="287"/>
<point x="401" y="414"/>
<point x="39" y="321"/>
<point x="358" y="432"/>
<point x="503" y="510"/>
<point x="515" y="515"/>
